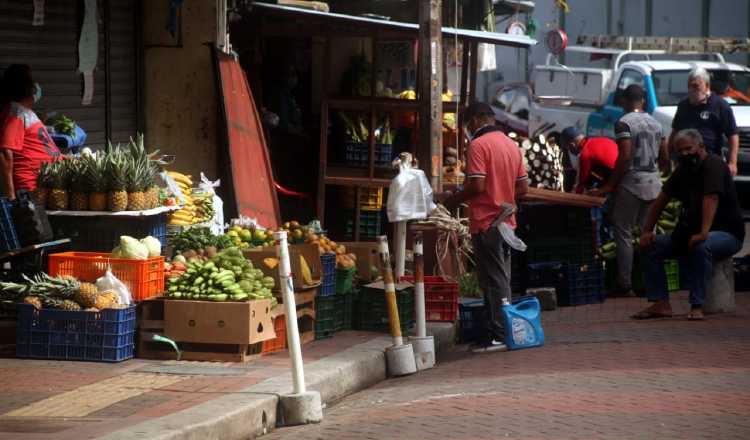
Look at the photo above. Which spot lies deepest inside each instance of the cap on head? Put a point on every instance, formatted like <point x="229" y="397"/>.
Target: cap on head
<point x="569" y="134"/>
<point x="478" y="109"/>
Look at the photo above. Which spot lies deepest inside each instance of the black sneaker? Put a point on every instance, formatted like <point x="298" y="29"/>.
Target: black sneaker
<point x="490" y="347"/>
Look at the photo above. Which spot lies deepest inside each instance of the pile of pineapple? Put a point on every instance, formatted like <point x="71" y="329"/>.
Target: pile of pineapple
<point x="65" y="293"/>
<point x="117" y="179"/>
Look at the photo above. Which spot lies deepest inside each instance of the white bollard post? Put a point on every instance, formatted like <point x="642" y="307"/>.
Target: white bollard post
<point x="302" y="406"/>
<point x="400" y="249"/>
<point x="424" y="346"/>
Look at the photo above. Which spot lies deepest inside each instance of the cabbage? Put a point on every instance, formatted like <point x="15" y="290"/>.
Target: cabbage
<point x="153" y="245"/>
<point x="117" y="252"/>
<point x="132" y="248"/>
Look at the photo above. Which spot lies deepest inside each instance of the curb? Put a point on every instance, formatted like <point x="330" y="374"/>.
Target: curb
<point x="252" y="411"/>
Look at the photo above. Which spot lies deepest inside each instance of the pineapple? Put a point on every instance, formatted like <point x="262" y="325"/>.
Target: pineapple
<point x="87" y="295"/>
<point x="106" y="300"/>
<point x="34" y="301"/>
<point x="43" y="183"/>
<point x="58" y="196"/>
<point x="137" y="175"/>
<point x="96" y="180"/>
<point x="69" y="305"/>
<point x="152" y="193"/>
<point x="79" y="198"/>
<point x="117" y="198"/>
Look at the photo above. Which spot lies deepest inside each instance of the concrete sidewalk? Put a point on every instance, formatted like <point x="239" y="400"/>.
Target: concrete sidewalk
<point x="141" y="399"/>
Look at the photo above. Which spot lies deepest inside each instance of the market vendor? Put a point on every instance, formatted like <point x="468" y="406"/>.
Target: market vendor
<point x="596" y="157"/>
<point x="24" y="141"/>
<point x="710" y="227"/>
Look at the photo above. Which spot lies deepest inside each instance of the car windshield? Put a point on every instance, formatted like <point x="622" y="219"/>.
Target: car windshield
<point x="671" y="86"/>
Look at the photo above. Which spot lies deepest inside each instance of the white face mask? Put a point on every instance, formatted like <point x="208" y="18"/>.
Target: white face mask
<point x="37" y="92"/>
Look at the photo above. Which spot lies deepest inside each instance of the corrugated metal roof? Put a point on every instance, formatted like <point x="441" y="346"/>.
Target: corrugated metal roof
<point x="465" y="34"/>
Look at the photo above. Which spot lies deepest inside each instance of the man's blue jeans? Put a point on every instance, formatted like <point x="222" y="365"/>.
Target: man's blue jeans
<point x="718" y="246"/>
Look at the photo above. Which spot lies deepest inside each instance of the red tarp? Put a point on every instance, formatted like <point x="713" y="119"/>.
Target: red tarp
<point x="252" y="180"/>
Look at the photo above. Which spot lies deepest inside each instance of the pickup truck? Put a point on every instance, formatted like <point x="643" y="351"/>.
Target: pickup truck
<point x="589" y="97"/>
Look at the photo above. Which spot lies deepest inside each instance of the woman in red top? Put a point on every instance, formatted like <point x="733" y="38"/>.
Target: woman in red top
<point x="24" y="141"/>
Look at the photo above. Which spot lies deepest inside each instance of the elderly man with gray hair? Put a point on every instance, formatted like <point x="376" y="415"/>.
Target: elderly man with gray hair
<point x="710" y="115"/>
<point x="710" y="226"/>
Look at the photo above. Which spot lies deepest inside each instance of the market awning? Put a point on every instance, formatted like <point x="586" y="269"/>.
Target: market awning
<point x="497" y="38"/>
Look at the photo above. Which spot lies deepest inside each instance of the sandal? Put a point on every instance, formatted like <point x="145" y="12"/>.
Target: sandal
<point x="696" y="315"/>
<point x="650" y="314"/>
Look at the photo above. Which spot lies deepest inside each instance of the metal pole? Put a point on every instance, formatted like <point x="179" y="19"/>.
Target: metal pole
<point x="400" y="249"/>
<point x="419" y="305"/>
<point x="290" y="308"/>
<point x="431" y="89"/>
<point x="390" y="291"/>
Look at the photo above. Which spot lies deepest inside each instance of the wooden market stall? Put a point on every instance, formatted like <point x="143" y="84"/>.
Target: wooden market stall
<point x="365" y="164"/>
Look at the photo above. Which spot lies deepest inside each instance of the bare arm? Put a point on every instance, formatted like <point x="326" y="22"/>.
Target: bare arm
<point x="474" y="186"/>
<point x="624" y="156"/>
<point x="734" y="147"/>
<point x="522" y="188"/>
<point x="647" y="235"/>
<point x="710" y="203"/>
<point x="6" y="168"/>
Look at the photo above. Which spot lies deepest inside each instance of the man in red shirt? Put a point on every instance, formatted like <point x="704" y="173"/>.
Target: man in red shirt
<point x="496" y="176"/>
<point x="596" y="157"/>
<point x="24" y="141"/>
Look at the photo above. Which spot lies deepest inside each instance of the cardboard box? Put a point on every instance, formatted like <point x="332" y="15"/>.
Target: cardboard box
<point x="218" y="322"/>
<point x="308" y="251"/>
<point x="368" y="258"/>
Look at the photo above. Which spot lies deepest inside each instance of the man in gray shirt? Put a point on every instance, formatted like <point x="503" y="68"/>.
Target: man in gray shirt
<point x="635" y="182"/>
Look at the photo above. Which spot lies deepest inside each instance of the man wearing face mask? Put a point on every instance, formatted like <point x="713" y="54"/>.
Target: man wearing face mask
<point x="710" y="226"/>
<point x="596" y="157"/>
<point x="495" y="178"/>
<point x="710" y="115"/>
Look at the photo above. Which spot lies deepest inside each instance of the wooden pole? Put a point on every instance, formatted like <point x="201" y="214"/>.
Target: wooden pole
<point x="390" y="291"/>
<point x="431" y="89"/>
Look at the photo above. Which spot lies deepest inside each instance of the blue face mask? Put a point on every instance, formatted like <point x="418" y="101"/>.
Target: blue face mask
<point x="37" y="92"/>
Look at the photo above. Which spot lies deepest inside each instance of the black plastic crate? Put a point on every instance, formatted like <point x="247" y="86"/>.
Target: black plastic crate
<point x="357" y="154"/>
<point x="554" y="220"/>
<point x="8" y="237"/>
<point x="372" y="310"/>
<point x="550" y="274"/>
<point x="470" y="315"/>
<point x="371" y="224"/>
<point x="102" y="233"/>
<point x="104" y="336"/>
<point x="578" y="250"/>
<point x="584" y="284"/>
<point x="345" y="305"/>
<point x="326" y="317"/>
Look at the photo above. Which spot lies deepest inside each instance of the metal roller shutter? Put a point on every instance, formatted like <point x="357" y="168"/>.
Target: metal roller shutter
<point x="52" y="52"/>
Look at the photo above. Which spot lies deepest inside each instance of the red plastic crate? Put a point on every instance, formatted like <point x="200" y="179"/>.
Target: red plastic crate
<point x="144" y="278"/>
<point x="278" y="344"/>
<point x="440" y="298"/>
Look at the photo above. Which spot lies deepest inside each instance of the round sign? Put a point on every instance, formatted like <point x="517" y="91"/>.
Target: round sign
<point x="556" y="41"/>
<point x="516" y="28"/>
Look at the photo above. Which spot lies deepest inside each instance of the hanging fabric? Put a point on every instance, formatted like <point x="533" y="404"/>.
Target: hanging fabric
<point x="38" y="19"/>
<point x="88" y="49"/>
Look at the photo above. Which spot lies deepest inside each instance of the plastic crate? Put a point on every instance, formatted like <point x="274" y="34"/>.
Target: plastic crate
<point x="549" y="274"/>
<point x="326" y="317"/>
<point x="578" y="250"/>
<point x="584" y="284"/>
<point x="371" y="313"/>
<point x="555" y="220"/>
<point x="104" y="336"/>
<point x="370" y="199"/>
<point x="371" y="225"/>
<point x="440" y="298"/>
<point x="345" y="280"/>
<point x="144" y="278"/>
<point x="357" y="154"/>
<point x="345" y="303"/>
<point x="279" y="343"/>
<point x="102" y="233"/>
<point x="742" y="273"/>
<point x="471" y="323"/>
<point x="8" y="237"/>
<point x="328" y="275"/>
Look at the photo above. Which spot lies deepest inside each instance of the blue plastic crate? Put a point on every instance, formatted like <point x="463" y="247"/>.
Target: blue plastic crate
<point x="8" y="236"/>
<point x="584" y="284"/>
<point x="102" y="233"/>
<point x="105" y="336"/>
<point x="470" y="314"/>
<point x="328" y="279"/>
<point x="357" y="154"/>
<point x="371" y="224"/>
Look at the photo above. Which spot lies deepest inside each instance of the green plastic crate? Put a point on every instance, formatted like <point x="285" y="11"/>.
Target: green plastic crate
<point x="344" y="280"/>
<point x="345" y="308"/>
<point x="672" y="269"/>
<point x="326" y="319"/>
<point x="372" y="311"/>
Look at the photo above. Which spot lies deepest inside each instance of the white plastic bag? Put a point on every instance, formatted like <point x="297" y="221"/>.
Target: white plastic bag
<point x="172" y="187"/>
<point x="410" y="194"/>
<point x="110" y="282"/>
<point x="217" y="223"/>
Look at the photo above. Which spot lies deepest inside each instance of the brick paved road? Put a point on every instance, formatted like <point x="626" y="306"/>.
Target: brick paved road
<point x="666" y="379"/>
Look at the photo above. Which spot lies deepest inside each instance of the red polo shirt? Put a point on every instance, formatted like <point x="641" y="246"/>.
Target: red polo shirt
<point x="595" y="152"/>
